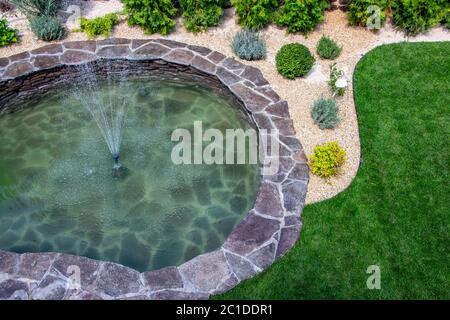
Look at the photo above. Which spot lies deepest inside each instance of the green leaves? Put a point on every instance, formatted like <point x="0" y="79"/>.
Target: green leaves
<point x="152" y="15"/>
<point x="301" y="15"/>
<point x="99" y="26"/>
<point x="198" y="15"/>
<point x="294" y="60"/>
<point x="328" y="49"/>
<point x="255" y="14"/>
<point x="7" y="35"/>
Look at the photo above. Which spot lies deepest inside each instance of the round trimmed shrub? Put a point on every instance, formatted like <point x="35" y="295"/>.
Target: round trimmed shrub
<point x="294" y="60"/>
<point x="328" y="49"/>
<point x="249" y="45"/>
<point x="47" y="28"/>
<point x="327" y="160"/>
<point x="325" y="113"/>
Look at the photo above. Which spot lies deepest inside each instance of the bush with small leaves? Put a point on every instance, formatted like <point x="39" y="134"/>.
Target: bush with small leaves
<point x="47" y="28"/>
<point x="198" y="15"/>
<point x="325" y="113"/>
<point x="327" y="160"/>
<point x="446" y="20"/>
<point x="301" y="15"/>
<point x="99" y="26"/>
<point x="328" y="49"/>
<point x="152" y="15"/>
<point x="416" y="16"/>
<point x="255" y="14"/>
<point x="249" y="45"/>
<point x="294" y="60"/>
<point x="362" y="12"/>
<point x="7" y="35"/>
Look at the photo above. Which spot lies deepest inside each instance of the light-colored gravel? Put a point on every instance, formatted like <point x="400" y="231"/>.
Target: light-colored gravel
<point x="299" y="93"/>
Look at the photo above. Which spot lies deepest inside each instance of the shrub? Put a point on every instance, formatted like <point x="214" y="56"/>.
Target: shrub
<point x="415" y="16"/>
<point x="328" y="49"/>
<point x="301" y="15"/>
<point x="294" y="60"/>
<point x="33" y="8"/>
<point x="152" y="15"/>
<point x="337" y="82"/>
<point x="249" y="45"/>
<point x="198" y="15"/>
<point x="325" y="113"/>
<point x="358" y="13"/>
<point x="47" y="28"/>
<point x="446" y="20"/>
<point x="327" y="160"/>
<point x="255" y="14"/>
<point x="7" y="35"/>
<point x="99" y="26"/>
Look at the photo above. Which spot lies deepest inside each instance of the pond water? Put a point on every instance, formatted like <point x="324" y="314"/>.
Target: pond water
<point x="57" y="193"/>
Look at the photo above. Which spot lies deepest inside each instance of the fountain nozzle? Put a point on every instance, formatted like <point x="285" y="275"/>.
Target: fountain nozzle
<point x="116" y="160"/>
<point x="119" y="171"/>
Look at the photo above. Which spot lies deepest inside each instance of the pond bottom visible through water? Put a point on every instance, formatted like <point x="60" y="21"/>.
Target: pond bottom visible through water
<point x="57" y="193"/>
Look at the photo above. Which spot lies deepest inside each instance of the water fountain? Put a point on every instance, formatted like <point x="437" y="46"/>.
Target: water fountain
<point x="109" y="113"/>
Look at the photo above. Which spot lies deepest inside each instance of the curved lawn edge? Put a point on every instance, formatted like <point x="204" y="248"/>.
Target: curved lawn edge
<point x="394" y="213"/>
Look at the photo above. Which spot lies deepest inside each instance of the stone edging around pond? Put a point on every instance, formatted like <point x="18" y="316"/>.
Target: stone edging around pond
<point x="267" y="232"/>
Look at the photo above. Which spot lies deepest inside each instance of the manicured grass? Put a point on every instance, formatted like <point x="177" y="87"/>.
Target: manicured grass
<point x="396" y="213"/>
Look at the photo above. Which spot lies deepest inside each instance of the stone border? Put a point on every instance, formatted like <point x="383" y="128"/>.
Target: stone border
<point x="267" y="232"/>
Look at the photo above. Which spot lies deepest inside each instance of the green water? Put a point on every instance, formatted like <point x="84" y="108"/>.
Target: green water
<point x="57" y="192"/>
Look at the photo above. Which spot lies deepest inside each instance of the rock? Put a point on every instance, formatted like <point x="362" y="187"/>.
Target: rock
<point x="50" y="288"/>
<point x="269" y="201"/>
<point x="251" y="233"/>
<point x="67" y="266"/>
<point x="11" y="288"/>
<point x="287" y="239"/>
<point x="241" y="268"/>
<point x="206" y="272"/>
<point x="166" y="278"/>
<point x="115" y="280"/>
<point x="35" y="265"/>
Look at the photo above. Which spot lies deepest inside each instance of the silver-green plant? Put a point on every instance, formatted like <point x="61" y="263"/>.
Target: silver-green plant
<point x="325" y="113"/>
<point x="33" y="8"/>
<point x="47" y="28"/>
<point x="249" y="45"/>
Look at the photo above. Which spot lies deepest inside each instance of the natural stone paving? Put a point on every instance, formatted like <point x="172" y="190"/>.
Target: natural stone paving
<point x="268" y="231"/>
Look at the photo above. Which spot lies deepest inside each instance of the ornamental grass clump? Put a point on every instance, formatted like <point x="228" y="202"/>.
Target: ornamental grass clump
<point x="47" y="28"/>
<point x="42" y="17"/>
<point x="327" y="48"/>
<point x="325" y="113"/>
<point x="294" y="60"/>
<point x="327" y="160"/>
<point x="249" y="45"/>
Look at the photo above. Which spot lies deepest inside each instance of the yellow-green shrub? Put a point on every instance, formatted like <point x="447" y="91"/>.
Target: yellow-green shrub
<point x="327" y="159"/>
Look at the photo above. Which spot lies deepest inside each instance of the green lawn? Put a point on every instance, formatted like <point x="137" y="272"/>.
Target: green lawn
<point x="396" y="213"/>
